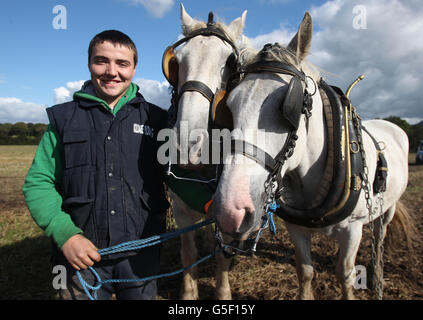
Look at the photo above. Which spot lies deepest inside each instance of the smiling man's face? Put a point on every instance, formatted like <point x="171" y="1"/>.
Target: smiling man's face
<point x="112" y="68"/>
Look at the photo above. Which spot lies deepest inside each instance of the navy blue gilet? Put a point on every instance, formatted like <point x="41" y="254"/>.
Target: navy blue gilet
<point x="113" y="185"/>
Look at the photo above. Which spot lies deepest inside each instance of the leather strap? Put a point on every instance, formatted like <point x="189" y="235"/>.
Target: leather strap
<point x="207" y="32"/>
<point x="197" y="86"/>
<point x="253" y="152"/>
<point x="275" y="67"/>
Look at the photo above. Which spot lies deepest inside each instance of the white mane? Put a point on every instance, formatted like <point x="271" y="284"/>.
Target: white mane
<point x="280" y="53"/>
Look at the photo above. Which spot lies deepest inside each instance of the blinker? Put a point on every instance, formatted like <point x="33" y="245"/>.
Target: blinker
<point x="170" y="66"/>
<point x="221" y="116"/>
<point x="292" y="105"/>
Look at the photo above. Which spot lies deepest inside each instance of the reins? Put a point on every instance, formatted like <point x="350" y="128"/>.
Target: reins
<point x="92" y="290"/>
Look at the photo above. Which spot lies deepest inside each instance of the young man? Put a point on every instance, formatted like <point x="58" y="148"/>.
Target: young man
<point x="95" y="180"/>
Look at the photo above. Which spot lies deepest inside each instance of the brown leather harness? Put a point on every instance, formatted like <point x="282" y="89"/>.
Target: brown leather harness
<point x="170" y="67"/>
<point x="346" y="158"/>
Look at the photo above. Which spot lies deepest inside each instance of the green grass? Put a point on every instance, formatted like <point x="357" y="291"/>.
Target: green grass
<point x="24" y="250"/>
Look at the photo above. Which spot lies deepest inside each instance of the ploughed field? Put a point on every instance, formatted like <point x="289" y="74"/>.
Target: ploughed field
<point x="25" y="270"/>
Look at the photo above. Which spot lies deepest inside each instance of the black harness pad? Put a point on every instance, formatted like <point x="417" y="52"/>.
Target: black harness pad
<point x="381" y="174"/>
<point x="321" y="216"/>
<point x="292" y="105"/>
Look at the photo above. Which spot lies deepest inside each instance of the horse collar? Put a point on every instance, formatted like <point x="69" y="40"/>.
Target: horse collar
<point x="346" y="167"/>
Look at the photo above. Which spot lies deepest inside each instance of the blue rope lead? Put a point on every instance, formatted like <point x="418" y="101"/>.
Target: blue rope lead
<point x="136" y="245"/>
<point x="270" y="210"/>
<point x="267" y="221"/>
<point x="100" y="282"/>
<point x="151" y="241"/>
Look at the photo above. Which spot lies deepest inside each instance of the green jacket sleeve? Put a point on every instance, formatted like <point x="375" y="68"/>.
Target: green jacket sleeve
<point x="41" y="190"/>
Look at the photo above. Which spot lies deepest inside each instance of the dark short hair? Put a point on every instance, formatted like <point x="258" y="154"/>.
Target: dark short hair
<point x="115" y="37"/>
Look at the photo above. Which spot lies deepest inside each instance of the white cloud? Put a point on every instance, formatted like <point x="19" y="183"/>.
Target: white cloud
<point x="389" y="52"/>
<point x="15" y="110"/>
<point x="281" y="35"/>
<point x="327" y="11"/>
<point x="64" y="94"/>
<point x="157" y="8"/>
<point x="155" y="92"/>
<point x="413" y="120"/>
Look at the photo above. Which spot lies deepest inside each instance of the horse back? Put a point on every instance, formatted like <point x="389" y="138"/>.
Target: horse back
<point x="393" y="142"/>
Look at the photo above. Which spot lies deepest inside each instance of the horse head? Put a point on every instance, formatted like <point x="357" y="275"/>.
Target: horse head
<point x="197" y="66"/>
<point x="267" y="108"/>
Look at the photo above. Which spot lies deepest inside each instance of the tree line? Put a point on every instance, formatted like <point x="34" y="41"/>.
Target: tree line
<point x="414" y="132"/>
<point x="21" y="133"/>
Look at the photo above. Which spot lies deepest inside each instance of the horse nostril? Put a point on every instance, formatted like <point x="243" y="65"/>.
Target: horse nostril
<point x="247" y="222"/>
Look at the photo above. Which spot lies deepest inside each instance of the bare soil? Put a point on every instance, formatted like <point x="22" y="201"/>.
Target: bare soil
<point x="270" y="274"/>
<point x="25" y="271"/>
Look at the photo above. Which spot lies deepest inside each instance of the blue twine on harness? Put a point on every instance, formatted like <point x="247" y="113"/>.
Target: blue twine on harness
<point x="270" y="210"/>
<point x="136" y="245"/>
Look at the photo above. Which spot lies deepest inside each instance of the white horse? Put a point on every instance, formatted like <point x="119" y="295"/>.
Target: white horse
<point x="197" y="66"/>
<point x="240" y="197"/>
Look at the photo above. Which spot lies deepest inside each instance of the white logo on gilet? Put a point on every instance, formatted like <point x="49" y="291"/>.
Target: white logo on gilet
<point x="143" y="129"/>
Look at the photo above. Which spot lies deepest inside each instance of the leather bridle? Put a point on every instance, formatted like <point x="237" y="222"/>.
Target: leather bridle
<point x="169" y="63"/>
<point x="297" y="102"/>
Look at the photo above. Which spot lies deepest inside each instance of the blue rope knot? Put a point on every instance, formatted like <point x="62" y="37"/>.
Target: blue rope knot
<point x="270" y="210"/>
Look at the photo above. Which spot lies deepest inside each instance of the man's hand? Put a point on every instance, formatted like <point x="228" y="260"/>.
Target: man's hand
<point x="80" y="252"/>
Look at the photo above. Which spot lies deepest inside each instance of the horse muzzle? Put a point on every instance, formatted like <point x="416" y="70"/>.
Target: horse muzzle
<point x="244" y="246"/>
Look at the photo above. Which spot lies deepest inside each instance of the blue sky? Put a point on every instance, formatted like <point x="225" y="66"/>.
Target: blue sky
<point x="41" y="65"/>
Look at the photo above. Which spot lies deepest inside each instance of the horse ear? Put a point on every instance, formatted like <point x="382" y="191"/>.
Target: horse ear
<point x="301" y="42"/>
<point x="237" y="25"/>
<point x="187" y="21"/>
